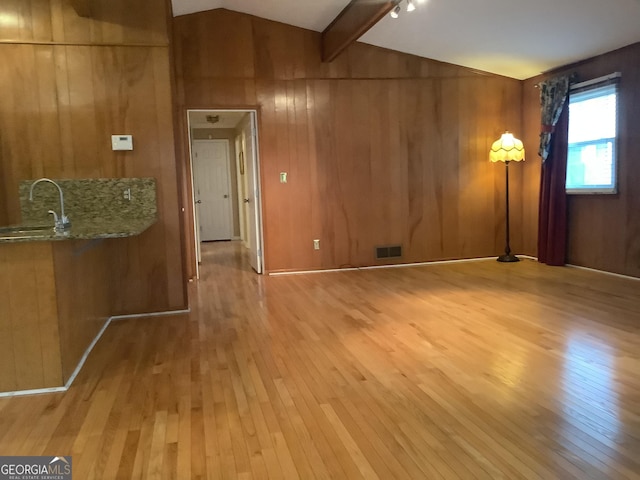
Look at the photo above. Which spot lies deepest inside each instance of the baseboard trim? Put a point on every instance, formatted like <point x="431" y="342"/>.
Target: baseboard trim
<point x="305" y="272"/>
<point x="40" y="391"/>
<point x="424" y="264"/>
<point x="619" y="275"/>
<point x="37" y="391"/>
<point x="86" y="354"/>
<point x="152" y="314"/>
<point x="395" y="265"/>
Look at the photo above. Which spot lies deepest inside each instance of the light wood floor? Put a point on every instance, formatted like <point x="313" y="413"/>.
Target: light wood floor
<point x="467" y="370"/>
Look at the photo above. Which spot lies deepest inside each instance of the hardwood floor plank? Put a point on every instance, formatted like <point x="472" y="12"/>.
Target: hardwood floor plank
<point x="456" y="371"/>
<point x="365" y="468"/>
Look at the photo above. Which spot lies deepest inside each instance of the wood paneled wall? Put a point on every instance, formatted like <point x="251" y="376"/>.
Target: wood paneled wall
<point x="67" y="84"/>
<point x="604" y="230"/>
<point x="380" y="147"/>
<point x="116" y="22"/>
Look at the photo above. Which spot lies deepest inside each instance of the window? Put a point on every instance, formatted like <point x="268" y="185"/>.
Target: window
<point x="593" y="126"/>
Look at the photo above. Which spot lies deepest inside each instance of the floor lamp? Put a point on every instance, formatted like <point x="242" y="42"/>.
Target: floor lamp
<point x="507" y="149"/>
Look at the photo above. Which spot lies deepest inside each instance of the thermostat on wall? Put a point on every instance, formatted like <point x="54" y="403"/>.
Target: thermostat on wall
<point x="121" y="142"/>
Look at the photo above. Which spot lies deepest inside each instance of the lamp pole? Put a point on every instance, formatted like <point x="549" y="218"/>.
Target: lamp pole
<point x="507" y="257"/>
<point x="506" y="149"/>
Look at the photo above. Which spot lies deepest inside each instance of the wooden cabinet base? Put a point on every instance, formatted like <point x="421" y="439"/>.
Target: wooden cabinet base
<point x="53" y="303"/>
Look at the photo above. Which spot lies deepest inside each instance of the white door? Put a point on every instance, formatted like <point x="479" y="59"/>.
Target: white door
<point x="252" y="200"/>
<point x="212" y="189"/>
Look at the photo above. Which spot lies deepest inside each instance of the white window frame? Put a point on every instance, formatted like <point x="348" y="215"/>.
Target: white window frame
<point x="585" y="86"/>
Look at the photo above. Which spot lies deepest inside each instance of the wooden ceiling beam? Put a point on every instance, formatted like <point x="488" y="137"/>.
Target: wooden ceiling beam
<point x="356" y="18"/>
<point x="82" y="7"/>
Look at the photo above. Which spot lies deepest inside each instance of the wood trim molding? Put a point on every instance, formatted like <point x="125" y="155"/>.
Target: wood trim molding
<point x="83" y="44"/>
<point x="356" y="18"/>
<point x="82" y="7"/>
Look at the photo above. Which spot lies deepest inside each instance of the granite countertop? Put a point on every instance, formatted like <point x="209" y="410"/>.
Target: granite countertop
<point x="80" y="230"/>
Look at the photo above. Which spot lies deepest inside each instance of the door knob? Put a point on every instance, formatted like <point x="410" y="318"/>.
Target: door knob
<point x="226" y="196"/>
<point x="198" y="201"/>
<point x="246" y="200"/>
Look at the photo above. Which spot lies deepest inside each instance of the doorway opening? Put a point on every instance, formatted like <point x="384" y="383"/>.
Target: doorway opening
<point x="225" y="173"/>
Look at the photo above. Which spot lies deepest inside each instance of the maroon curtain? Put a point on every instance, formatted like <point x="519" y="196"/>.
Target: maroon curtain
<point x="552" y="219"/>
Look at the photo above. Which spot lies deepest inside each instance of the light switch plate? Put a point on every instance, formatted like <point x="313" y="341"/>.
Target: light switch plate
<point x="283" y="177"/>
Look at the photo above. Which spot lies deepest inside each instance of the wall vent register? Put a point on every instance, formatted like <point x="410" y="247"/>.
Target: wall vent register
<point x="389" y="251"/>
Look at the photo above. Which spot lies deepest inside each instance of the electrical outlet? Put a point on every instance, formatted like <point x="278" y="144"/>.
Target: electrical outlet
<point x="127" y="194"/>
<point x="316" y="244"/>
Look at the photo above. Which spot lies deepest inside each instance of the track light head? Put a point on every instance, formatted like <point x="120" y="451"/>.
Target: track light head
<point x="395" y="13"/>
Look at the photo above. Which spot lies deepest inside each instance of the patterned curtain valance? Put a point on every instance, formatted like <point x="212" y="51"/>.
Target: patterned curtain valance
<point x="553" y="94"/>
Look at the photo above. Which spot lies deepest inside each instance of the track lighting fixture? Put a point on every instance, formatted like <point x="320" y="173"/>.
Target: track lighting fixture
<point x="395" y="13"/>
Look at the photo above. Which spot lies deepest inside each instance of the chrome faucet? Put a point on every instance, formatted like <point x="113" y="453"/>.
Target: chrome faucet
<point x="62" y="222"/>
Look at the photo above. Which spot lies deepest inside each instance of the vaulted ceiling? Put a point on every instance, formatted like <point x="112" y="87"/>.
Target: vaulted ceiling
<point x="515" y="38"/>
